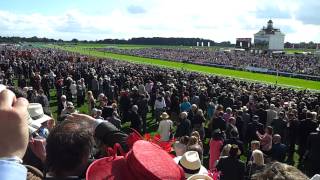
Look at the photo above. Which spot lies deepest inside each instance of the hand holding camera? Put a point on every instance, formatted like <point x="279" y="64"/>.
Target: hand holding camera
<point x="13" y="125"/>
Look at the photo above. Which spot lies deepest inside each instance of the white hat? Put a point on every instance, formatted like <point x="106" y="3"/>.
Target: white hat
<point x="37" y="116"/>
<point x="191" y="163"/>
<point x="200" y="177"/>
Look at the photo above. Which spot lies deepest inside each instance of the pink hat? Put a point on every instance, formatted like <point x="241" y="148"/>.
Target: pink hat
<point x="144" y="161"/>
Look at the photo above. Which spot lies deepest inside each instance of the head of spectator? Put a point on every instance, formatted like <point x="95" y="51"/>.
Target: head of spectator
<point x="225" y="150"/>
<point x="279" y="171"/>
<point x="63" y="98"/>
<point x="134" y="108"/>
<point x="197" y="148"/>
<point x="232" y="120"/>
<point x="192" y="140"/>
<point x="234" y="151"/>
<point x="183" y="115"/>
<point x="164" y="116"/>
<point x="276" y="139"/>
<point x="258" y="158"/>
<point x="194" y="108"/>
<point x="269" y="130"/>
<point x="190" y="162"/>
<point x="68" y="148"/>
<point x="255" y="145"/>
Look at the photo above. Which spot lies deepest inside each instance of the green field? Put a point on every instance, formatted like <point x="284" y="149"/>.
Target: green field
<point x="271" y="79"/>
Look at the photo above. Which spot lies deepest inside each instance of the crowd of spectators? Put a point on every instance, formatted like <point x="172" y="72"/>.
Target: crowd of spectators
<point x="299" y="64"/>
<point x="188" y="108"/>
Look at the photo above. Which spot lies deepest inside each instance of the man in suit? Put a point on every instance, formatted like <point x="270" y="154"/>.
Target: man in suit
<point x="231" y="167"/>
<point x="253" y="127"/>
<point x="262" y="114"/>
<point x="307" y="126"/>
<point x="312" y="154"/>
<point x="279" y="125"/>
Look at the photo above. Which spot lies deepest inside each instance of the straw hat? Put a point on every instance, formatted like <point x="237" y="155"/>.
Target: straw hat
<point x="37" y="116"/>
<point x="191" y="163"/>
<point x="164" y="115"/>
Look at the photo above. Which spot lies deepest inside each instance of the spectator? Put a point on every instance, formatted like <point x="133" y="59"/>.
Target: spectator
<point x="165" y="127"/>
<point x="256" y="165"/>
<point x="184" y="126"/>
<point x="231" y="168"/>
<point x="216" y="144"/>
<point x="266" y="140"/>
<point x="135" y="119"/>
<point x="279" y="150"/>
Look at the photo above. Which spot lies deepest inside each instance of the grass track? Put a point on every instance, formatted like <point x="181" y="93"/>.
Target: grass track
<point x="285" y="81"/>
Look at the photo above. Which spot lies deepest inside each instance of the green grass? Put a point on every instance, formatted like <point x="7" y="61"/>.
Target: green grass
<point x="265" y="78"/>
<point x="292" y="51"/>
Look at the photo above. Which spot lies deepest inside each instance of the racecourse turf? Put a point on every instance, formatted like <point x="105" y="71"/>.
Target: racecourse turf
<point x="87" y="49"/>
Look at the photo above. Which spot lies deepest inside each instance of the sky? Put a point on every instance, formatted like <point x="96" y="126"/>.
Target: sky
<point x="218" y="20"/>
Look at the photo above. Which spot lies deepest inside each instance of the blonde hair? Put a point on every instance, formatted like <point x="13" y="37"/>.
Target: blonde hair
<point x="258" y="157"/>
<point x="225" y="150"/>
<point x="280" y="171"/>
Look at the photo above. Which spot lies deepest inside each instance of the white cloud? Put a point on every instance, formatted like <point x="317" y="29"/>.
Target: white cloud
<point x="216" y="20"/>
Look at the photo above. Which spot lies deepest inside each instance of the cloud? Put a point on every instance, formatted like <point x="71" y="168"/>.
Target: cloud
<point x="134" y="9"/>
<point x="308" y="12"/>
<point x="220" y="21"/>
<point x="272" y="11"/>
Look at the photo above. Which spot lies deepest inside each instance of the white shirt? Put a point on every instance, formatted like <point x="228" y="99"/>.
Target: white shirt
<point x="164" y="129"/>
<point x="159" y="104"/>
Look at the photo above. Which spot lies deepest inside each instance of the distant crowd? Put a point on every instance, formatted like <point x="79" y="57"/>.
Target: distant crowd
<point x="299" y="64"/>
<point x="207" y="121"/>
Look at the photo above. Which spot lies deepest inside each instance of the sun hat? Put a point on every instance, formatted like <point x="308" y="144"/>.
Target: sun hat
<point x="200" y="177"/>
<point x="190" y="163"/>
<point x="144" y="161"/>
<point x="164" y="115"/>
<point x="37" y="116"/>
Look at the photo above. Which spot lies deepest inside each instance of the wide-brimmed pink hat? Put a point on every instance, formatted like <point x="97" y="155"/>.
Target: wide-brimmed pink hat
<point x="145" y="161"/>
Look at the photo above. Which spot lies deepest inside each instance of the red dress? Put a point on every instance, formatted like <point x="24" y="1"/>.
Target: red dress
<point x="215" y="150"/>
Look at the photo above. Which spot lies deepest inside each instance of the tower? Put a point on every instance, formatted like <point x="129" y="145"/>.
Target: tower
<point x="270" y="24"/>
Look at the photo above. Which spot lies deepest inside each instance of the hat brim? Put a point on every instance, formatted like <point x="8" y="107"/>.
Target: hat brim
<point x="200" y="176"/>
<point x="37" y="123"/>
<point x="109" y="168"/>
<point x="202" y="170"/>
<point x="164" y="117"/>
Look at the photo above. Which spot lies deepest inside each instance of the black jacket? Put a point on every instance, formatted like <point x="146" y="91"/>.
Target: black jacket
<point x="110" y="135"/>
<point x="231" y="169"/>
<point x="184" y="128"/>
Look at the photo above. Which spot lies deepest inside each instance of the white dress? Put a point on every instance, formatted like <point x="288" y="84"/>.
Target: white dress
<point x="164" y="129"/>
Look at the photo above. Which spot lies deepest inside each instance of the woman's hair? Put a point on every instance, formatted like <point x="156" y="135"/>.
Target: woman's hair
<point x="225" y="150"/>
<point x="196" y="134"/>
<point x="184" y="140"/>
<point x="280" y="171"/>
<point x="258" y="158"/>
<point x="192" y="141"/>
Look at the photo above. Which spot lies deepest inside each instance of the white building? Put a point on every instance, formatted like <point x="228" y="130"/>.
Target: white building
<point x="269" y="38"/>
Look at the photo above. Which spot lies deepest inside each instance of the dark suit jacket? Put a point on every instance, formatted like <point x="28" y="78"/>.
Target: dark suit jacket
<point x="313" y="145"/>
<point x="262" y="116"/>
<point x="231" y="169"/>
<point x="307" y="126"/>
<point x="253" y="127"/>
